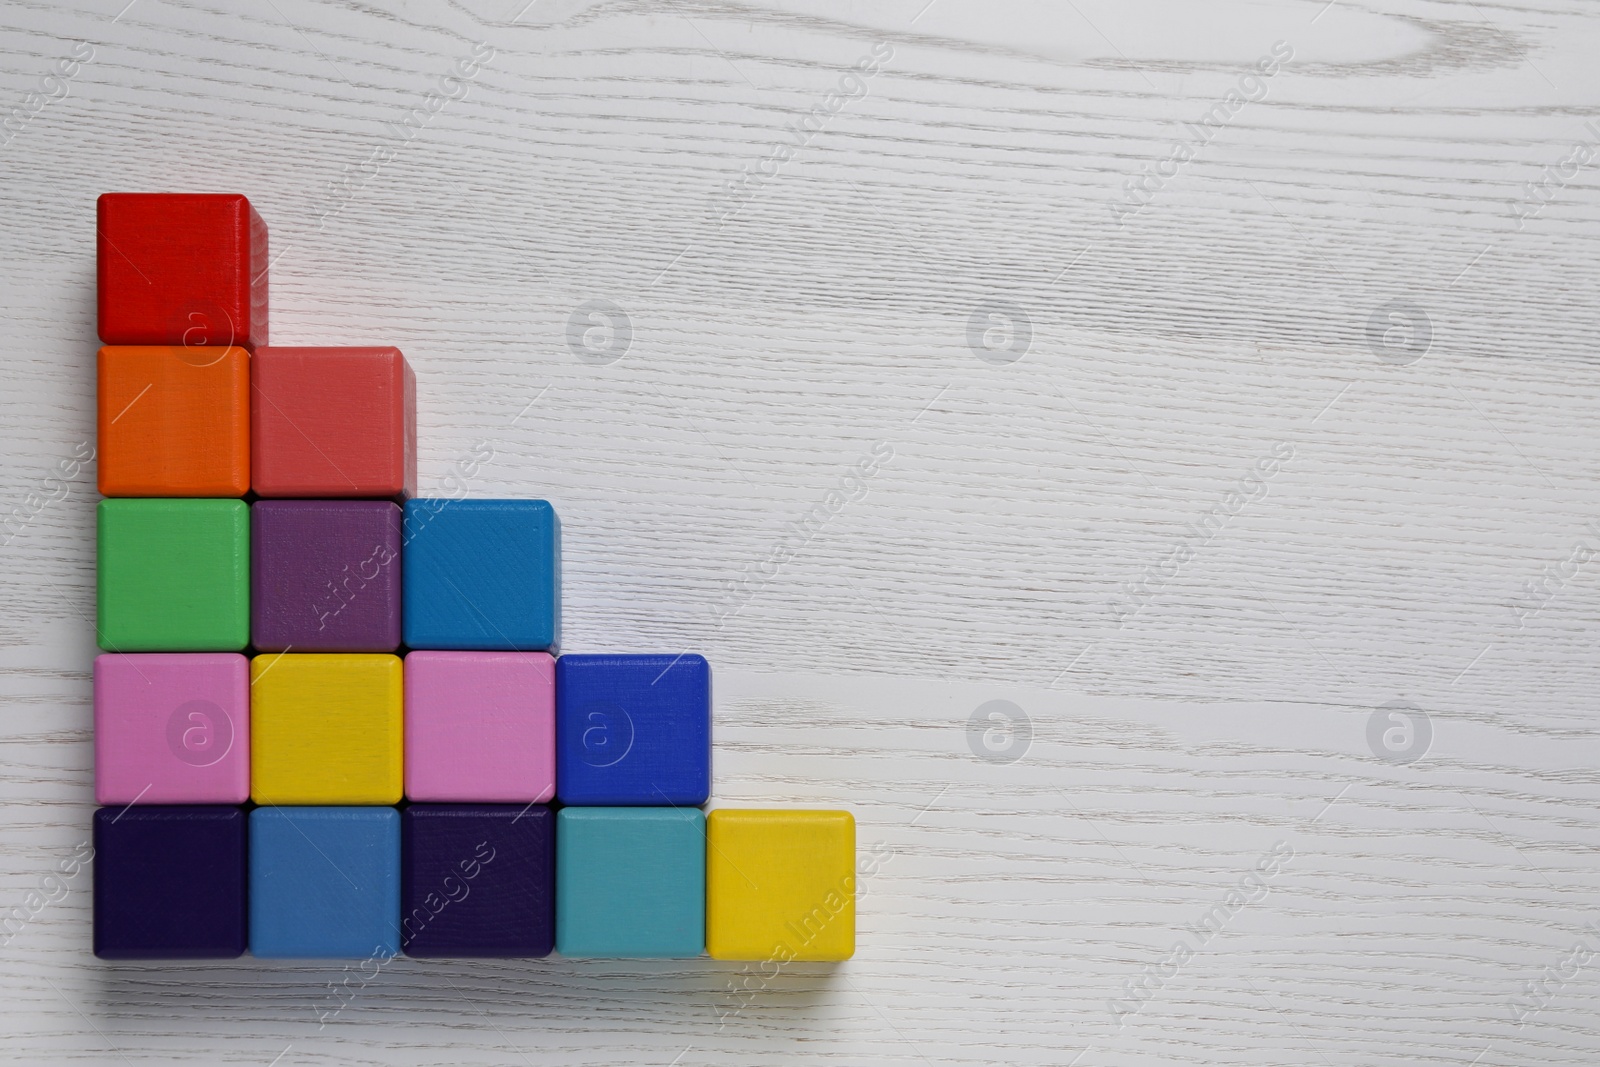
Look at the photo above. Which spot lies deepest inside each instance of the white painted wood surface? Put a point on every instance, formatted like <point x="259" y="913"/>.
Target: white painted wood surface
<point x="1222" y="325"/>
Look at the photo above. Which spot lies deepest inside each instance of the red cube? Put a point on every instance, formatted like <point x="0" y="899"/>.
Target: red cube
<point x="333" y="422"/>
<point x="182" y="269"/>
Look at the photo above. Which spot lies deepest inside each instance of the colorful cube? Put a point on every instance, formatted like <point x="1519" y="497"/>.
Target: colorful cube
<point x="633" y="730"/>
<point x="172" y="728"/>
<point x="480" y="727"/>
<point x="181" y="269"/>
<point x="325" y="576"/>
<point x="630" y="882"/>
<point x="478" y="880"/>
<point x="482" y="574"/>
<point x="174" y="575"/>
<point x="780" y="885"/>
<point x="325" y="729"/>
<point x="325" y="883"/>
<point x="169" y="883"/>
<point x="174" y="421"/>
<point x="333" y="422"/>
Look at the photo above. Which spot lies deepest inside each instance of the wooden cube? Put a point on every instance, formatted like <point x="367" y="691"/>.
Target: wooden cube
<point x="780" y="885"/>
<point x="630" y="882"/>
<point x="480" y="727"/>
<point x="174" y="575"/>
<point x="325" y="729"/>
<point x="333" y="422"/>
<point x="172" y="728"/>
<point x="482" y="574"/>
<point x="633" y="729"/>
<point x="174" y="421"/>
<point x="478" y="880"/>
<point x="325" y="575"/>
<point x="184" y="269"/>
<point x="325" y="883"/>
<point x="169" y="883"/>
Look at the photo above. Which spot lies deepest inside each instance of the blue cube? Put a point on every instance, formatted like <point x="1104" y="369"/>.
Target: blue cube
<point x="630" y="882"/>
<point x="325" y="882"/>
<point x="478" y="880"/>
<point x="633" y="730"/>
<point x="169" y="883"/>
<point x="482" y="575"/>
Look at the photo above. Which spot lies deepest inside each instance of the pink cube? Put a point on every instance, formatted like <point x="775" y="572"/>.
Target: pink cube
<point x="480" y="727"/>
<point x="171" y="728"/>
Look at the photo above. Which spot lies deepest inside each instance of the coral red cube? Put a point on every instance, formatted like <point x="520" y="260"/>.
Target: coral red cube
<point x="181" y="269"/>
<point x="333" y="422"/>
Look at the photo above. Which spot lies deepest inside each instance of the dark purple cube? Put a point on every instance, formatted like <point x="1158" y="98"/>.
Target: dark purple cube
<point x="325" y="575"/>
<point x="169" y="883"/>
<point x="477" y="880"/>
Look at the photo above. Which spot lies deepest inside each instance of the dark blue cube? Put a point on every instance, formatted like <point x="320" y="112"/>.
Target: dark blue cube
<point x="482" y="575"/>
<point x="633" y="730"/>
<point x="478" y="880"/>
<point x="169" y="883"/>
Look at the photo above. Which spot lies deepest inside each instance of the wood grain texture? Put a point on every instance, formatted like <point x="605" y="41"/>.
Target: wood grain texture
<point x="1021" y="542"/>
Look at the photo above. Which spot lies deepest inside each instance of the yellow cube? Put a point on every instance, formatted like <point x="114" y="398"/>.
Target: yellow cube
<point x="326" y="729"/>
<point x="780" y="885"/>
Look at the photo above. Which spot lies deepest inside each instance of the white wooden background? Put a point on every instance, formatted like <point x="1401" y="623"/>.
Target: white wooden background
<point x="1224" y="323"/>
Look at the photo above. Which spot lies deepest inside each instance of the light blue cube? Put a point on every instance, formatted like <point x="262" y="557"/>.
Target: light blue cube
<point x="630" y="882"/>
<point x="325" y="882"/>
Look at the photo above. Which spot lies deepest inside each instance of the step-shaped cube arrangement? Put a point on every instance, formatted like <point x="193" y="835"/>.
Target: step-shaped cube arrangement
<point x="331" y="720"/>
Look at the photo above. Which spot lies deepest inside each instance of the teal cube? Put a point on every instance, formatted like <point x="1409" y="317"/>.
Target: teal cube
<point x="630" y="882"/>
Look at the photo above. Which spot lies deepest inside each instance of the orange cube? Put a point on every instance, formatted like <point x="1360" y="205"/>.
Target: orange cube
<point x="174" y="421"/>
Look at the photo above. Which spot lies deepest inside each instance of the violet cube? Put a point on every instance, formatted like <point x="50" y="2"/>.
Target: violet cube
<point x="325" y="575"/>
<point x="477" y="880"/>
<point x="169" y="882"/>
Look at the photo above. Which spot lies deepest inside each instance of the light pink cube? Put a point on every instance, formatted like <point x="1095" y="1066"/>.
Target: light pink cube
<point x="171" y="728"/>
<point x="481" y="727"/>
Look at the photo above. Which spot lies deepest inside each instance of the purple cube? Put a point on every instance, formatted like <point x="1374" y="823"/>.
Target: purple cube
<point x="325" y="575"/>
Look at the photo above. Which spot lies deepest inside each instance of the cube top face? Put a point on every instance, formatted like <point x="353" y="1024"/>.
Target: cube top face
<point x="174" y="575"/>
<point x="478" y="880"/>
<point x="325" y="883"/>
<point x="174" y="421"/>
<point x="172" y="728"/>
<point x="480" y="727"/>
<point x="181" y="269"/>
<point x="630" y="882"/>
<point x="325" y="729"/>
<point x="325" y="575"/>
<point x="169" y="883"/>
<point x="333" y="422"/>
<point x="482" y="574"/>
<point x="780" y="885"/>
<point x="633" y="730"/>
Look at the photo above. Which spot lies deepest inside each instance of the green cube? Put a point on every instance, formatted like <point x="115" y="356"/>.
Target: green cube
<point x="174" y="575"/>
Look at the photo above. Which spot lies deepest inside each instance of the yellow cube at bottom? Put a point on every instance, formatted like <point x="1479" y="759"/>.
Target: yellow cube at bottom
<point x="780" y="885"/>
<point x="326" y="729"/>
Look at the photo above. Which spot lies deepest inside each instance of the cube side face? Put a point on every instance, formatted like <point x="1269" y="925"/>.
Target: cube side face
<point x="179" y="269"/>
<point x="173" y="575"/>
<point x="482" y="574"/>
<point x="633" y="730"/>
<point x="780" y="885"/>
<point x="174" y="422"/>
<point x="326" y="729"/>
<point x="630" y="882"/>
<point x="333" y="422"/>
<point x="169" y="883"/>
<point x="480" y="727"/>
<point x="325" y="575"/>
<point x="478" y="881"/>
<point x="171" y="728"/>
<point x="325" y="883"/>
